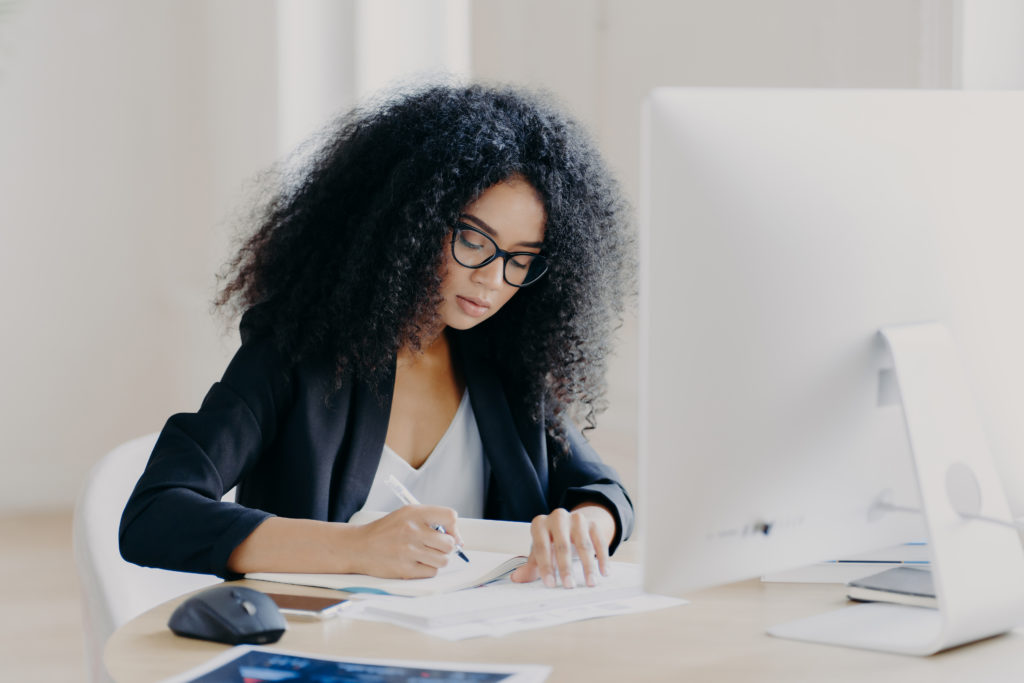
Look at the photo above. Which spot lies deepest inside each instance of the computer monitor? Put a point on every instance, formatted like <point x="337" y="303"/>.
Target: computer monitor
<point x="825" y="272"/>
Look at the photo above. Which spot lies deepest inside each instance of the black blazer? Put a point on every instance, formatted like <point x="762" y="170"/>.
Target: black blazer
<point x="296" y="452"/>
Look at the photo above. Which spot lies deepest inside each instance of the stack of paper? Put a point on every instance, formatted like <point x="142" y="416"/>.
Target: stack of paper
<point x="504" y="607"/>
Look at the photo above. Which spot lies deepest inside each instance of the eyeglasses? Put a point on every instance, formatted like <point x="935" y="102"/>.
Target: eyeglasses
<point x="475" y="249"/>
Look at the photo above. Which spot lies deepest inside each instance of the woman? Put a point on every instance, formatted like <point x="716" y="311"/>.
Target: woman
<point x="434" y="298"/>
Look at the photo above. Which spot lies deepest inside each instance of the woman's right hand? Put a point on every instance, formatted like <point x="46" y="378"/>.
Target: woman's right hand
<point x="404" y="543"/>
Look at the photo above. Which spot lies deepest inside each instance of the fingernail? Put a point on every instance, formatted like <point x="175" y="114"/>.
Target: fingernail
<point x="590" y="581"/>
<point x="549" y="581"/>
<point x="570" y="582"/>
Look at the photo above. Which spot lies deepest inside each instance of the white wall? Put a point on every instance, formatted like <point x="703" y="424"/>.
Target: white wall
<point x="990" y="44"/>
<point x="130" y="137"/>
<point x="405" y="41"/>
<point x="316" y="66"/>
<point x="126" y="132"/>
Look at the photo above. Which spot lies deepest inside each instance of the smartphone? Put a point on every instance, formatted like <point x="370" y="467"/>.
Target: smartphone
<point x="308" y="606"/>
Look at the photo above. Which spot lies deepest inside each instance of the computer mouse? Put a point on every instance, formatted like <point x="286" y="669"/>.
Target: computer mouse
<point x="229" y="614"/>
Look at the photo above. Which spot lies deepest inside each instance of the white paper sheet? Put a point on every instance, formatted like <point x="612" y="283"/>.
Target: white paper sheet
<point x="505" y="607"/>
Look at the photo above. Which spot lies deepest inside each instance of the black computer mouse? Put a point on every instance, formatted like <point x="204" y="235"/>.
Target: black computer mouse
<point x="229" y="614"/>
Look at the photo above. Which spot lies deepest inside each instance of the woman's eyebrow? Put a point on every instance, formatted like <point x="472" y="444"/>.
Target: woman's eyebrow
<point x="494" y="233"/>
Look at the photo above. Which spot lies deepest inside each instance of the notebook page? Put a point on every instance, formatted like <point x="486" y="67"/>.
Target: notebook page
<point x="492" y="535"/>
<point x="482" y="567"/>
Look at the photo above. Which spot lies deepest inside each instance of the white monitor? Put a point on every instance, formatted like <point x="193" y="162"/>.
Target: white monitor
<point x="782" y="231"/>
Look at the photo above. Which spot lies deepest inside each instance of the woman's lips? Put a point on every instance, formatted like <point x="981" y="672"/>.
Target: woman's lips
<point x="472" y="307"/>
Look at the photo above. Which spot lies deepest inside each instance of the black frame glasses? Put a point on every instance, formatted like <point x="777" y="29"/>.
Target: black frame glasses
<point x="538" y="265"/>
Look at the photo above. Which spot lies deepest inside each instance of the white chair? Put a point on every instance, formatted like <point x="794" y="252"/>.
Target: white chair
<point x="115" y="591"/>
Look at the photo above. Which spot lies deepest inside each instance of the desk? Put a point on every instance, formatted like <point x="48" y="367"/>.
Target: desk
<point x="718" y="637"/>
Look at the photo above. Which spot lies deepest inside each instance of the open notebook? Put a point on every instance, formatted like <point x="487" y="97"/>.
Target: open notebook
<point x="483" y="540"/>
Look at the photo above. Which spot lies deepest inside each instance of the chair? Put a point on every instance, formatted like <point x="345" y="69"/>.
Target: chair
<point x="115" y="591"/>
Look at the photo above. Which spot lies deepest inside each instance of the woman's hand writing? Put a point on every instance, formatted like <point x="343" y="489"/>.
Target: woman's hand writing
<point x="404" y="543"/>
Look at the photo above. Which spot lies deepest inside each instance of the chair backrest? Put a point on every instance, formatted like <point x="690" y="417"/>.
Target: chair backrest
<point x="115" y="591"/>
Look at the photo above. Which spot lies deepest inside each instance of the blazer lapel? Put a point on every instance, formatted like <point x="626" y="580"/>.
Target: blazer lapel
<point x="359" y="457"/>
<point x="516" y="490"/>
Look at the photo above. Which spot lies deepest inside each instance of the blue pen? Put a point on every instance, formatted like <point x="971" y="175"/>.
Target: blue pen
<point x="406" y="497"/>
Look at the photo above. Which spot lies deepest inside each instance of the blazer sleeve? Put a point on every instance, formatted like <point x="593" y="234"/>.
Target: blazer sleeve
<point x="175" y="518"/>
<point x="581" y="477"/>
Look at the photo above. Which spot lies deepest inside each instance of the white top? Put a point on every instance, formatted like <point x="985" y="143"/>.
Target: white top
<point x="453" y="475"/>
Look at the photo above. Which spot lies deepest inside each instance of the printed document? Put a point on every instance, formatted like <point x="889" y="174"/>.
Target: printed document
<point x="505" y="607"/>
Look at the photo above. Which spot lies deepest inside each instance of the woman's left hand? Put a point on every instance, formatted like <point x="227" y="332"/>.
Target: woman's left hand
<point x="589" y="528"/>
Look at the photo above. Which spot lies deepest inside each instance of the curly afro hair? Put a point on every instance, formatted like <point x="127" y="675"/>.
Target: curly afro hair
<point x="345" y="258"/>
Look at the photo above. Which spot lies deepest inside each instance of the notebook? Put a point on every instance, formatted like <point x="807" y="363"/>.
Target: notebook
<point x="483" y="567"/>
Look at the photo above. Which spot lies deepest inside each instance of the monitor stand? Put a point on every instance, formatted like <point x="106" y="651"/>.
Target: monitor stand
<point x="977" y="565"/>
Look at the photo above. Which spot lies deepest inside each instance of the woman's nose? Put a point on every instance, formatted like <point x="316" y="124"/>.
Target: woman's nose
<point x="492" y="274"/>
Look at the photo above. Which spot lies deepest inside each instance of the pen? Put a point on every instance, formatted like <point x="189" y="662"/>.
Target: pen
<point x="406" y="497"/>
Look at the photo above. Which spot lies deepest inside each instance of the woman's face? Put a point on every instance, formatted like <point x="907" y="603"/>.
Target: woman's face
<point x="512" y="214"/>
